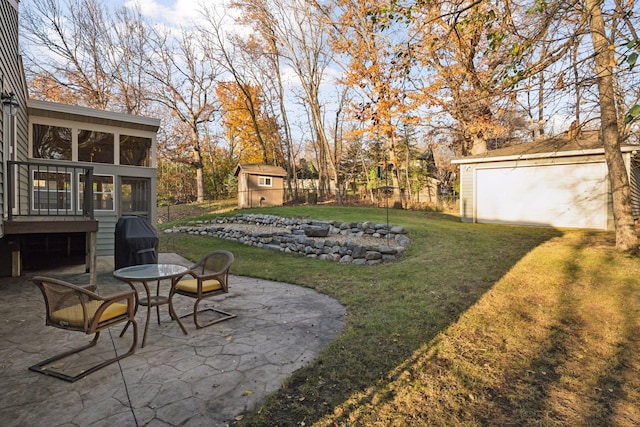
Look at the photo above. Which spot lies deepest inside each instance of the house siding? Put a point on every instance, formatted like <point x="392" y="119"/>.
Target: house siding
<point x="11" y="80"/>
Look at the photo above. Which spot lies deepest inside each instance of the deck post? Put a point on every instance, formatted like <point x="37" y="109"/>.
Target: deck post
<point x="91" y="257"/>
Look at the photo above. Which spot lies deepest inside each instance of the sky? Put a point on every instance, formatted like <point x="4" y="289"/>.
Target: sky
<point x="177" y="13"/>
<point x="169" y="12"/>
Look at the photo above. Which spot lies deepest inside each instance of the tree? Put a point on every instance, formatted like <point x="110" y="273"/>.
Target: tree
<point x="626" y="237"/>
<point x="84" y="53"/>
<point x="183" y="81"/>
<point x="267" y="54"/>
<point x="230" y="58"/>
<point x="374" y="47"/>
<point x="238" y="124"/>
<point x="77" y="59"/>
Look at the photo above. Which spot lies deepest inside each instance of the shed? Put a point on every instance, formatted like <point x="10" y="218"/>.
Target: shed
<point x="260" y="185"/>
<point x="557" y="182"/>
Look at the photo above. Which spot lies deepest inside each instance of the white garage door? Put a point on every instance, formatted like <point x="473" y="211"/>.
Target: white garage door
<point x="553" y="195"/>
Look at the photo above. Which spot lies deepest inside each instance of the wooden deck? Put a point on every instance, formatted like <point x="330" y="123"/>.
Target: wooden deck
<point x="49" y="224"/>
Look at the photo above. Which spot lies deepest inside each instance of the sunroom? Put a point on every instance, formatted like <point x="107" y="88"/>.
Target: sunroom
<point x="85" y="169"/>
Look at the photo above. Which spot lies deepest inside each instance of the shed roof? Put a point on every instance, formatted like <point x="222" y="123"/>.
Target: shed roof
<point x="560" y="146"/>
<point x="259" y="169"/>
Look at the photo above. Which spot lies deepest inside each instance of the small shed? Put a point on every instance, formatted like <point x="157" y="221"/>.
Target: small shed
<point x="557" y="182"/>
<point x="260" y="185"/>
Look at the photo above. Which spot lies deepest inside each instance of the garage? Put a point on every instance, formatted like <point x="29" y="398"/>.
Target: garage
<point x="558" y="182"/>
<point x="551" y="195"/>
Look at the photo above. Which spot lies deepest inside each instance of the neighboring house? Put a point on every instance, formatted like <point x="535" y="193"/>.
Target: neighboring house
<point x="260" y="185"/>
<point x="558" y="182"/>
<point x="67" y="173"/>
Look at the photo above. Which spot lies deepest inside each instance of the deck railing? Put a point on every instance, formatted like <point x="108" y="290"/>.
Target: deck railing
<point x="49" y="189"/>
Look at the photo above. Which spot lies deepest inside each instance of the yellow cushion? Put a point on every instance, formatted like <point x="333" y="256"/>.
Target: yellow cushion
<point x="72" y="316"/>
<point x="191" y="285"/>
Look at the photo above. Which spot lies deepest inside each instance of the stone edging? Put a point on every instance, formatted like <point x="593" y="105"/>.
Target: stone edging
<point x="342" y="241"/>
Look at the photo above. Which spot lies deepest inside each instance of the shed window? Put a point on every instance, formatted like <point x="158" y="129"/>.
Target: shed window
<point x="51" y="142"/>
<point x="95" y="147"/>
<point x="265" y="181"/>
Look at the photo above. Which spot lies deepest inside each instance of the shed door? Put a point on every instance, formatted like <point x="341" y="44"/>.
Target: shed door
<point x="573" y="195"/>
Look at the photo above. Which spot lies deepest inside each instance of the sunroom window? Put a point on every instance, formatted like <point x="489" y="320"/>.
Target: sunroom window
<point x="102" y="192"/>
<point x="51" y="142"/>
<point x="95" y="147"/>
<point x="135" y="151"/>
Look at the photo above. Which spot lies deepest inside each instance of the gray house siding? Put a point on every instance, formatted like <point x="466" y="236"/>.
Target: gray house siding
<point x="11" y="80"/>
<point x="466" y="192"/>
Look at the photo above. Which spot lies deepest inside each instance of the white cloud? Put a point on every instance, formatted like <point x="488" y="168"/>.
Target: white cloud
<point x="174" y="12"/>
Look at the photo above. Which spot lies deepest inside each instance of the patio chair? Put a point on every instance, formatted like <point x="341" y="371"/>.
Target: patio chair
<point x="208" y="278"/>
<point x="79" y="308"/>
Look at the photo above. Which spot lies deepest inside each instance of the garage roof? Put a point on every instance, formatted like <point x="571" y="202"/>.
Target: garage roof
<point x="560" y="146"/>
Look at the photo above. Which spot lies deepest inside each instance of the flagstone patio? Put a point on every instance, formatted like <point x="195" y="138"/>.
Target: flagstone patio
<point x="210" y="377"/>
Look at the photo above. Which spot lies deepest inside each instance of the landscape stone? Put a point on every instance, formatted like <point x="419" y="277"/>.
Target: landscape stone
<point x="307" y="237"/>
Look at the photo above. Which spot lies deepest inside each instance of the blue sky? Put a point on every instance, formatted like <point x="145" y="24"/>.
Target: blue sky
<point x="171" y="12"/>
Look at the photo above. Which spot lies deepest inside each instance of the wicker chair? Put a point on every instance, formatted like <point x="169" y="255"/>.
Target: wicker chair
<point x="208" y="278"/>
<point x="79" y="308"/>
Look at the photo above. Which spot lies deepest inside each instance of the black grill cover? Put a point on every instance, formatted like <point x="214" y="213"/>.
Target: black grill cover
<point x="136" y="242"/>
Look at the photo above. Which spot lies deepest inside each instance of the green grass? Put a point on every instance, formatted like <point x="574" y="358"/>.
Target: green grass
<point x="476" y="325"/>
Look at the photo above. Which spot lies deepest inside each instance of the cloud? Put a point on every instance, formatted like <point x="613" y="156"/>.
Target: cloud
<point x="174" y="12"/>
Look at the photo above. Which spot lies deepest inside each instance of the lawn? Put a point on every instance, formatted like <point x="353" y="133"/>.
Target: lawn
<point x="476" y="325"/>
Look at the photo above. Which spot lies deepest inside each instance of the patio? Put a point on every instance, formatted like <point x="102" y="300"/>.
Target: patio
<point x="210" y="377"/>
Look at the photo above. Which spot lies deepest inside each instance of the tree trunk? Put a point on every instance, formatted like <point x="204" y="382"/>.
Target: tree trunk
<point x="199" y="165"/>
<point x="626" y="238"/>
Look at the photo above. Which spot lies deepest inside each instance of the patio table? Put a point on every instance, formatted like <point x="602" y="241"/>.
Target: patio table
<point x="144" y="274"/>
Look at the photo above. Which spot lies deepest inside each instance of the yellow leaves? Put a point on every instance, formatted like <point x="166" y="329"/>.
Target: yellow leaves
<point x="250" y="131"/>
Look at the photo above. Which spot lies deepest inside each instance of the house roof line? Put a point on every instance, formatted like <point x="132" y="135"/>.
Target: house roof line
<point x="74" y="112"/>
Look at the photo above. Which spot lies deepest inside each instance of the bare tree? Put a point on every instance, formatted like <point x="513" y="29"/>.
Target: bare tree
<point x="85" y="53"/>
<point x="234" y="61"/>
<point x="128" y="44"/>
<point x="294" y="36"/>
<point x="72" y="36"/>
<point x="183" y="80"/>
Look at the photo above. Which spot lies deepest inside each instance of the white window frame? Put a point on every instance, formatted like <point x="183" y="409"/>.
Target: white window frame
<point x="113" y="192"/>
<point x="265" y="181"/>
<point x="68" y="191"/>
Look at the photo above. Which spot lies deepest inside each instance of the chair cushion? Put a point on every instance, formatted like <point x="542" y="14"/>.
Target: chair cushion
<point x="72" y="316"/>
<point x="191" y="285"/>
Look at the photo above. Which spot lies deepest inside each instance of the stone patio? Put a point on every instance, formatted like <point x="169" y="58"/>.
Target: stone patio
<point x="210" y="377"/>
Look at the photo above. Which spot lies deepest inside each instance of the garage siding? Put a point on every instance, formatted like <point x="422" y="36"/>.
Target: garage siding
<point x="564" y="195"/>
<point x="467" y="173"/>
<point x="600" y="218"/>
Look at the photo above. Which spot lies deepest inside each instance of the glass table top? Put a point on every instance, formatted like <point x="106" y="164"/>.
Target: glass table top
<point x="150" y="271"/>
